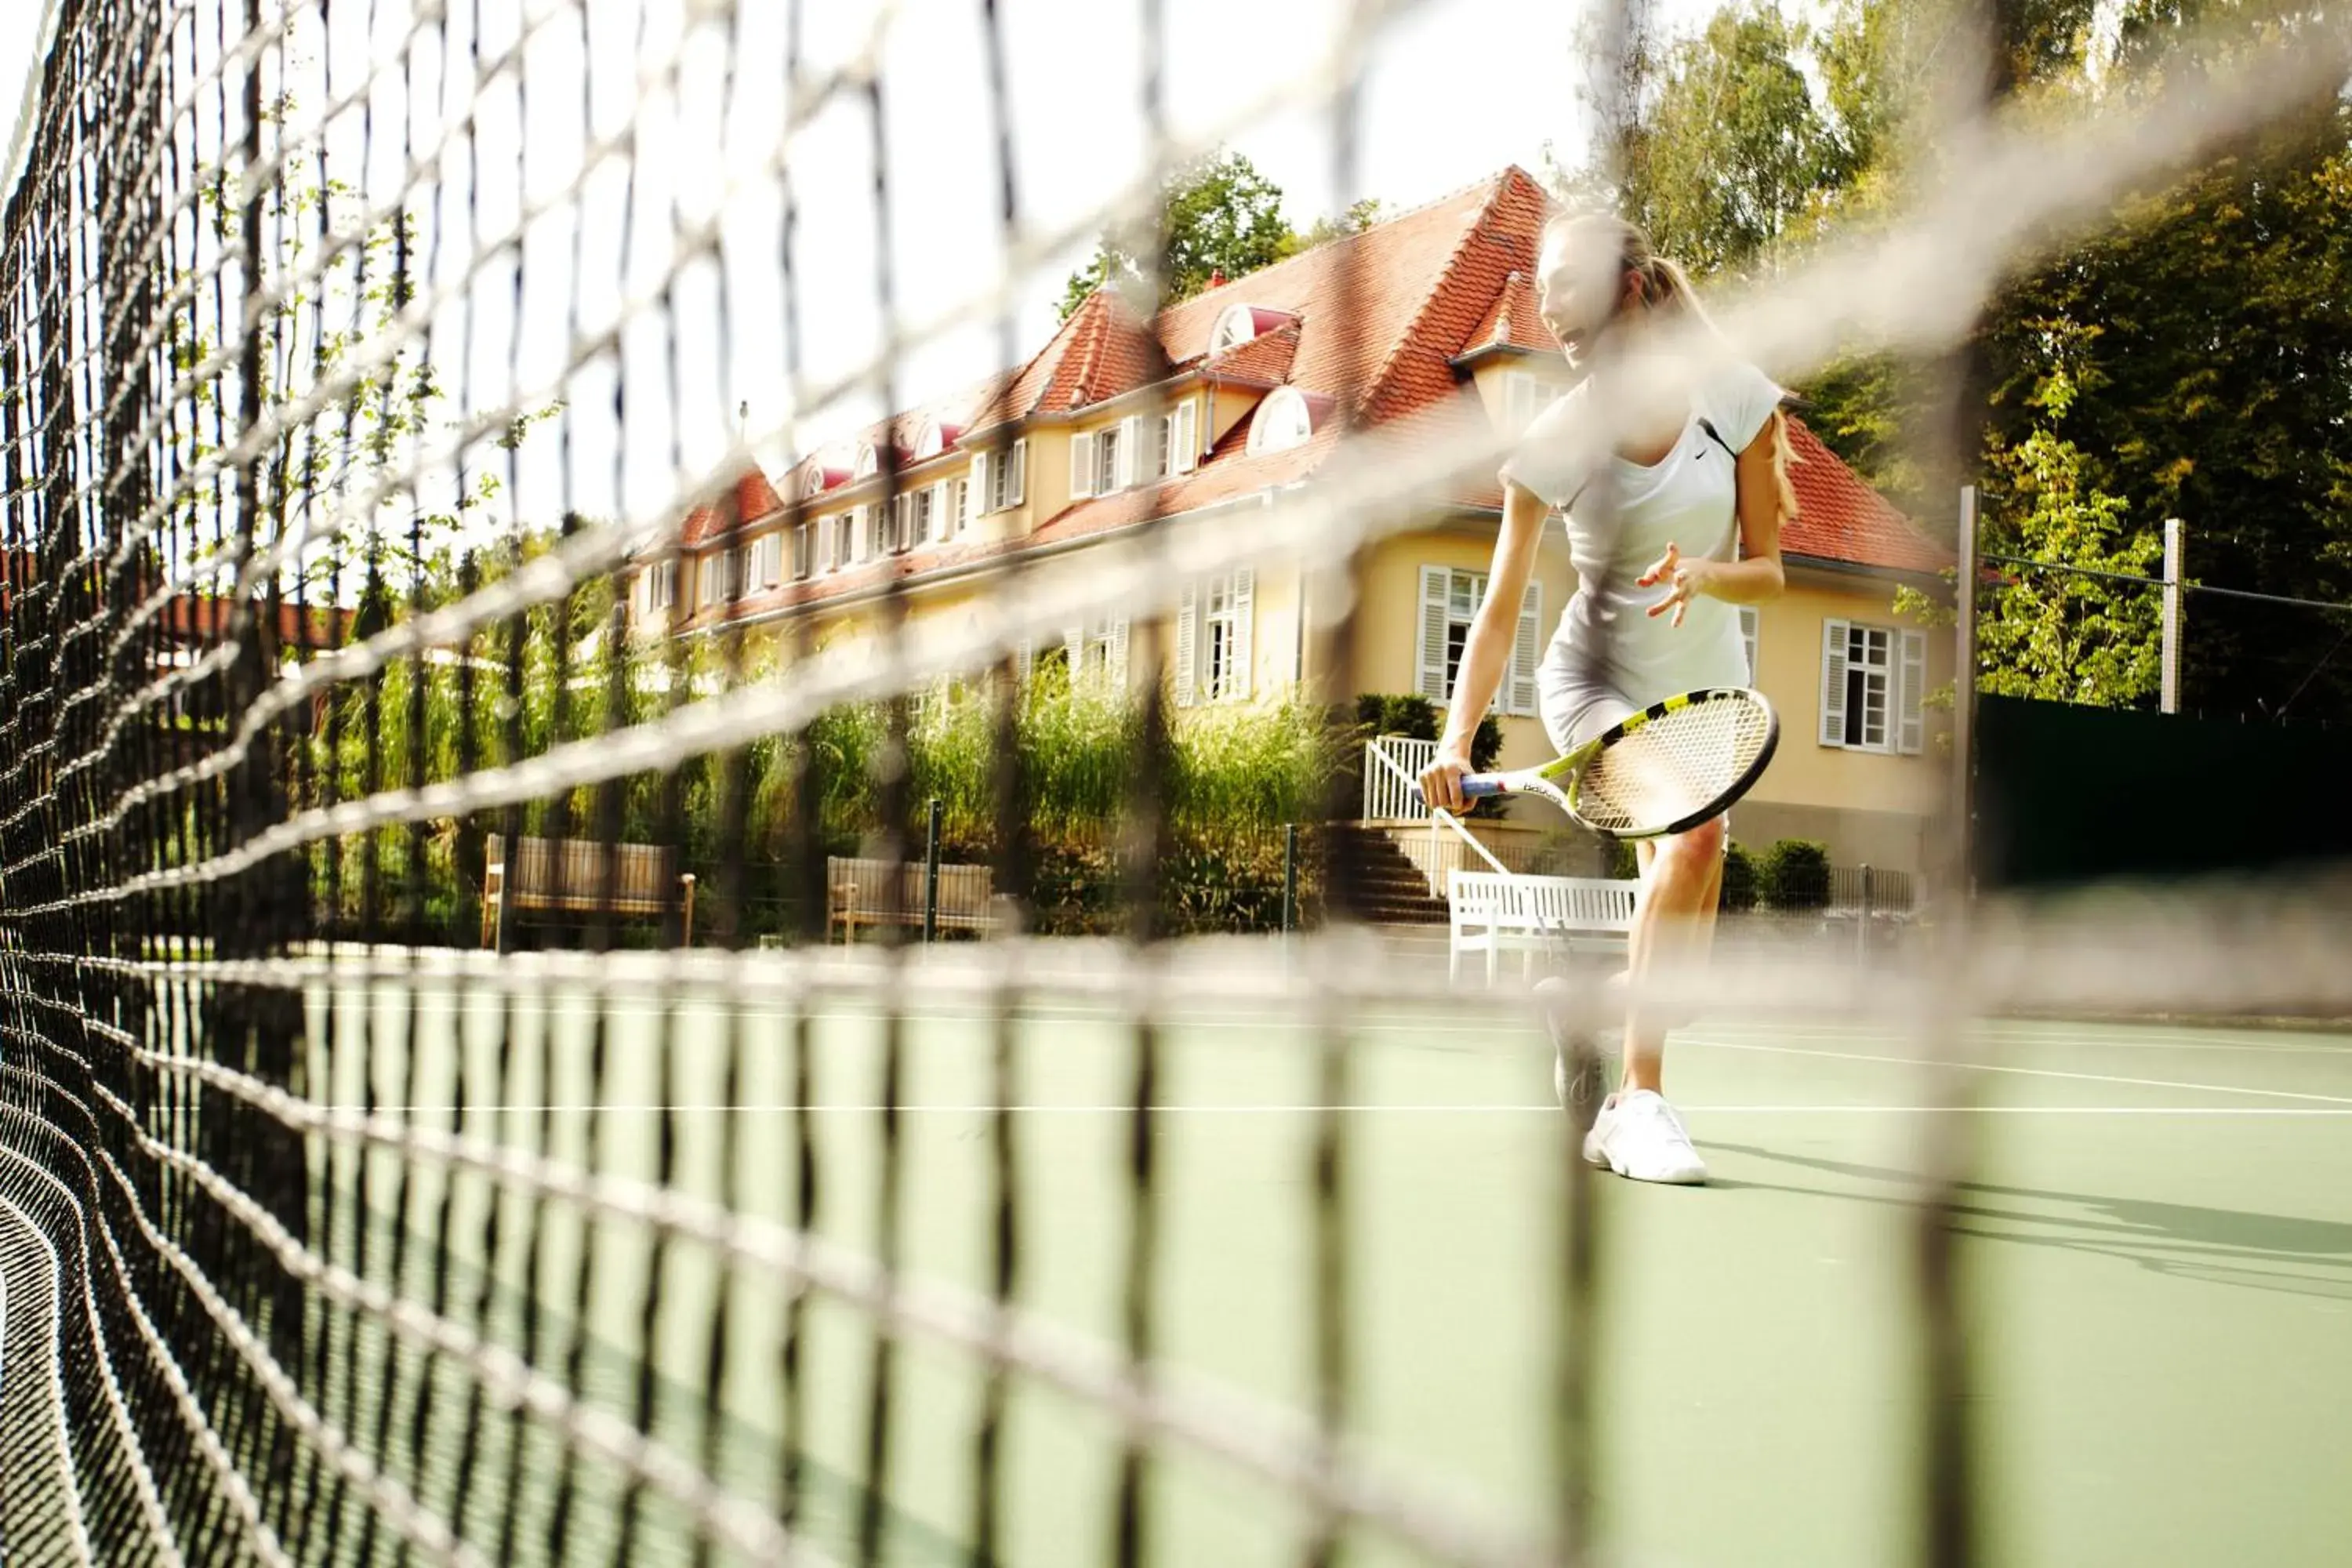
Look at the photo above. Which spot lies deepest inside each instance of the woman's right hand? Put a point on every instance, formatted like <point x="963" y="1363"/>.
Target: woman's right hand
<point x="1441" y="781"/>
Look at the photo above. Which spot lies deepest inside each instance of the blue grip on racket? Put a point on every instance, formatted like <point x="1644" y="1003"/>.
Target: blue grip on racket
<point x="1476" y="785"/>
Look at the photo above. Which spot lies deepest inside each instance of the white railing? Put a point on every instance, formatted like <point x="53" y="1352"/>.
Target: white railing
<point x="1392" y="766"/>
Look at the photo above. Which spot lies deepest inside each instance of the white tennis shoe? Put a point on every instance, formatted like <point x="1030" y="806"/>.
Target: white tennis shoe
<point x="1638" y="1135"/>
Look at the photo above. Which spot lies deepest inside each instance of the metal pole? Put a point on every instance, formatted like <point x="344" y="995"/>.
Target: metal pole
<point x="2172" y="597"/>
<point x="931" y="875"/>
<point x="1861" y="925"/>
<point x="1290" y="877"/>
<point x="1964" y="701"/>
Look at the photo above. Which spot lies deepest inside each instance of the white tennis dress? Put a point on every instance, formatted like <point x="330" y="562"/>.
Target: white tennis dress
<point x="1610" y="657"/>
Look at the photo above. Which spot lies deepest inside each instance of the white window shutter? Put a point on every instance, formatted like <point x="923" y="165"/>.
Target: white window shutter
<point x="978" y="490"/>
<point x="1188" y="643"/>
<point x="1184" y="446"/>
<point x="1526" y="651"/>
<point x="1119" y="653"/>
<point x="1082" y="465"/>
<point x="1018" y="490"/>
<point x="1134" y="463"/>
<point x="1025" y="664"/>
<point x="1073" y="641"/>
<point x="1834" y="637"/>
<point x="1912" y="696"/>
<point x="1429" y="648"/>
<point x="1751" y="637"/>
<point x="1245" y="621"/>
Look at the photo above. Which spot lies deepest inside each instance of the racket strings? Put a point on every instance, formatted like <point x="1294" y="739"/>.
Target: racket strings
<point x="1675" y="765"/>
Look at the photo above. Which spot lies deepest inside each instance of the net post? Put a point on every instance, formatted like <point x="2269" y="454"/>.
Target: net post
<point x="1862" y="921"/>
<point x="1964" y="697"/>
<point x="2173" y="550"/>
<point x="932" y="873"/>
<point x="1290" y="877"/>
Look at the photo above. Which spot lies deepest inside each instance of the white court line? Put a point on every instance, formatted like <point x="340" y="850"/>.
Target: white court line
<point x="1514" y="1108"/>
<point x="2020" y="1073"/>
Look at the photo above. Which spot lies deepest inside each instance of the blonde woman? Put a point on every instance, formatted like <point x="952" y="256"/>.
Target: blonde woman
<point x="1669" y="460"/>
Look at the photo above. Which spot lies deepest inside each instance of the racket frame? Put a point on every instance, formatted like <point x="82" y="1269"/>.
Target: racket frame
<point x="1547" y="779"/>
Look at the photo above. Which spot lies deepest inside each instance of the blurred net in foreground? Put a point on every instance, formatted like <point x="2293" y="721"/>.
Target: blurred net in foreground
<point x="386" y="576"/>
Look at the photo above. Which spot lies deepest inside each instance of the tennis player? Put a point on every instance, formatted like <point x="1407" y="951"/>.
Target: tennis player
<point x="1669" y="458"/>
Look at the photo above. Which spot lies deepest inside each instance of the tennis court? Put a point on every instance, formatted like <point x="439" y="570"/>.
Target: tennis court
<point x="2157" y="1245"/>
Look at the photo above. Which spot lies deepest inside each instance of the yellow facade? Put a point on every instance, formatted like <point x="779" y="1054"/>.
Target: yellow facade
<point x="1869" y="806"/>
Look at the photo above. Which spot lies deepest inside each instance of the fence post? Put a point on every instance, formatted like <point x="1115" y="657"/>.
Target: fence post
<point x="1290" y="877"/>
<point x="931" y="875"/>
<point x="1862" y="926"/>
<point x="2173" y="564"/>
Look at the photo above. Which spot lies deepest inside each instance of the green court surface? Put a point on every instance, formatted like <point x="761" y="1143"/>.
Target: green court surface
<point x="2159" y="1255"/>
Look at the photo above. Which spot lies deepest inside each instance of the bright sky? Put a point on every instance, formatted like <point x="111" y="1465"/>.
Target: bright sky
<point x="1451" y="92"/>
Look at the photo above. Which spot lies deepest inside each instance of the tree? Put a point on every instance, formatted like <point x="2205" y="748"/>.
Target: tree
<point x="1217" y="215"/>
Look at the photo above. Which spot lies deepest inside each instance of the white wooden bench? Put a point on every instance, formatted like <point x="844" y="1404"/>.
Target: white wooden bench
<point x="569" y="874"/>
<point x="860" y="893"/>
<point x="1491" y="911"/>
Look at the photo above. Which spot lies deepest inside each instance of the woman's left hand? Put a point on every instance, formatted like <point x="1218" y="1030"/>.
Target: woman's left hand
<point x="1680" y="578"/>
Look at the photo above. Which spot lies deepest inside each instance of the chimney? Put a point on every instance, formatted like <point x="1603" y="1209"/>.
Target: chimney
<point x="1217" y="278"/>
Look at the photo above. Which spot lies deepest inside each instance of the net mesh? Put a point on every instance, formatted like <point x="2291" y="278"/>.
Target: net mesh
<point x="618" y="917"/>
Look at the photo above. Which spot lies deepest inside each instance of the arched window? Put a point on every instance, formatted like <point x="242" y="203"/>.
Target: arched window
<point x="1282" y="421"/>
<point x="870" y="462"/>
<point x="1237" y="326"/>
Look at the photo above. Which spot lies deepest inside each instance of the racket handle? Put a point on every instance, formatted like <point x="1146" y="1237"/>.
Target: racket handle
<point x="1476" y="787"/>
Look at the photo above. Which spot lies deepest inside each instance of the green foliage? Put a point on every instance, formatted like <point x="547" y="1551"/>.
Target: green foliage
<point x="1408" y="714"/>
<point x="1620" y="859"/>
<point x="1217" y="215"/>
<point x="2198" y="340"/>
<point x="1794" y="874"/>
<point x="1486" y="744"/>
<point x="1739" y="878"/>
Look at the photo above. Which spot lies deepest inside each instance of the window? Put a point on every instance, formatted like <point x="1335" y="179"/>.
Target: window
<point x="1000" y="476"/>
<point x="915" y="510"/>
<point x="804" y="551"/>
<point x="1180" y="439"/>
<point x="661" y="586"/>
<point x="1525" y="396"/>
<point x="1874" y="681"/>
<point x="845" y="541"/>
<point x="1750" y="623"/>
<point x="1282" y="421"/>
<point x="1449" y="602"/>
<point x="1237" y="326"/>
<point x="718" y="576"/>
<point x="880" y="524"/>
<point x="764" y="560"/>
<point x="1097" y="650"/>
<point x="1101" y="460"/>
<point x="959" y="509"/>
<point x="1214" y="624"/>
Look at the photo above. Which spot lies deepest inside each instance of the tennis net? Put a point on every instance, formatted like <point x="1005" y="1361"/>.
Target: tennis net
<point x="493" y="591"/>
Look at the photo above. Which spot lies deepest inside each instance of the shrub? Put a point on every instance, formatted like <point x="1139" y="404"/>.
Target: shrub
<point x="1794" y="874"/>
<point x="1740" y="877"/>
<point x="1408" y="714"/>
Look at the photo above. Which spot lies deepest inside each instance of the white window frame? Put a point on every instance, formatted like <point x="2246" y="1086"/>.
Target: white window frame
<point x="805" y="551"/>
<point x="1098" y="650"/>
<point x="1006" y="472"/>
<point x="1860" y="660"/>
<point x="661" y="586"/>
<point x="841" y="540"/>
<point x="1282" y="420"/>
<point x="1216" y="620"/>
<point x="1525" y="395"/>
<point x="1178" y="438"/>
<point x="1751" y="637"/>
<point x="1451" y="598"/>
<point x="958" y="509"/>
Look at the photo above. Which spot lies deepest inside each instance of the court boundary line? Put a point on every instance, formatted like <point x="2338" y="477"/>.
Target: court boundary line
<point x="1307" y="1108"/>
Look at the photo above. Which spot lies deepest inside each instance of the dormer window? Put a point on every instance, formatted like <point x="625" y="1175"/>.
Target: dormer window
<point x="1240" y="323"/>
<point x="930" y="441"/>
<point x="1282" y="420"/>
<point x="870" y="462"/>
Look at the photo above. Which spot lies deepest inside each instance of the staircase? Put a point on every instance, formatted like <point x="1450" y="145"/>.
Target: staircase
<point x="1391" y="888"/>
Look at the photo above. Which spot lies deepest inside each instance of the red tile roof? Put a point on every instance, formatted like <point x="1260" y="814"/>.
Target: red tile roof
<point x="1839" y="518"/>
<point x="1383" y="314"/>
<point x="1511" y="321"/>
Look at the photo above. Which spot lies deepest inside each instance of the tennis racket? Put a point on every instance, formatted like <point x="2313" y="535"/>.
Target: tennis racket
<point x="1663" y="770"/>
